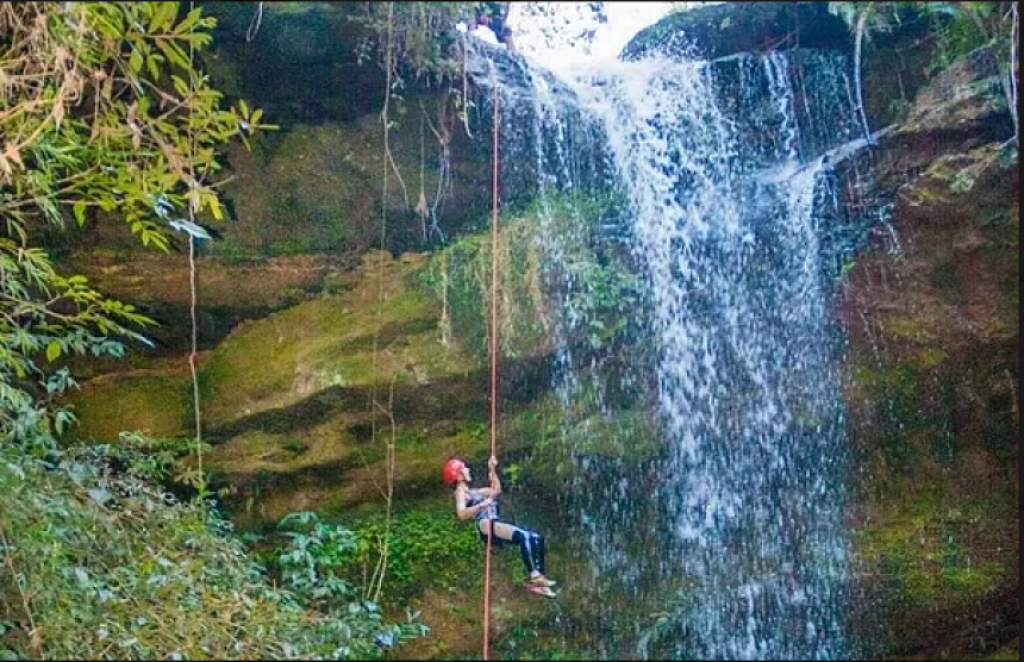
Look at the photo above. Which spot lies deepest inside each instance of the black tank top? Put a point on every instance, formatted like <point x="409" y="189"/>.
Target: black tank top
<point x="492" y="511"/>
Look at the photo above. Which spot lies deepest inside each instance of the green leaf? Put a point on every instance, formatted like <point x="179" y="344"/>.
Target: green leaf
<point x="79" y="209"/>
<point x="215" y="208"/>
<point x="153" y="65"/>
<point x="163" y="16"/>
<point x="135" y="60"/>
<point x="53" y="351"/>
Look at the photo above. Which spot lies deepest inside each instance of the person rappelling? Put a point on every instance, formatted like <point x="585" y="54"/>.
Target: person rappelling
<point x="481" y="504"/>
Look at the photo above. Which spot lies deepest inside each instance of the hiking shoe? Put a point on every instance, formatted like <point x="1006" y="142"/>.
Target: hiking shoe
<point x="541" y="580"/>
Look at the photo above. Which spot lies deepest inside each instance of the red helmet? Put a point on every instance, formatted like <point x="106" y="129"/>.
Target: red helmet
<point x="452" y="470"/>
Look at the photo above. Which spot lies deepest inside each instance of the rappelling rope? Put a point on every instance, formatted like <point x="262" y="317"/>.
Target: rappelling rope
<point x="493" y="352"/>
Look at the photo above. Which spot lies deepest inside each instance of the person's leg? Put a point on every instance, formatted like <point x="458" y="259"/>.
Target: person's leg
<point x="531" y="545"/>
<point x="537" y="547"/>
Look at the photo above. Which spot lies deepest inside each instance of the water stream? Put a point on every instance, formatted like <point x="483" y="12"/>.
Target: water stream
<point x="725" y="538"/>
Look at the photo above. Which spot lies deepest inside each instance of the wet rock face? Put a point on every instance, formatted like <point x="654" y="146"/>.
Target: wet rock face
<point x="931" y="309"/>
<point x="950" y="259"/>
<point x="736" y="27"/>
<point x="967" y="99"/>
<point x="527" y="98"/>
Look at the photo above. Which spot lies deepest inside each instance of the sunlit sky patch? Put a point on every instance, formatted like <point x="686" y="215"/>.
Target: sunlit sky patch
<point x="565" y="34"/>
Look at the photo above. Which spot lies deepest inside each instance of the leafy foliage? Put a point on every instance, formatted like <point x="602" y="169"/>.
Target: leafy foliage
<point x="98" y="562"/>
<point x="551" y="259"/>
<point x="423" y="34"/>
<point x="101" y="108"/>
<point x="427" y="547"/>
<point x="42" y="312"/>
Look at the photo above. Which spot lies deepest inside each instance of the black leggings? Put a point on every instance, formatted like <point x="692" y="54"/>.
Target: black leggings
<point x="531" y="545"/>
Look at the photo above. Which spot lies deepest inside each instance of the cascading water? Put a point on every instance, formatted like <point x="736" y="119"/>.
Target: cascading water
<point x="752" y="480"/>
<point x="729" y="534"/>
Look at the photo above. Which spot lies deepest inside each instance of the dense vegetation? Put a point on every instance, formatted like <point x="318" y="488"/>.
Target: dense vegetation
<point x="102" y="115"/>
<point x="105" y="119"/>
<point x="102" y="562"/>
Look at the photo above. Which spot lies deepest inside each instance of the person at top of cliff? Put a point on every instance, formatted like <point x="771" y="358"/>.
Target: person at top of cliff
<point x="491" y="24"/>
<point x="481" y="504"/>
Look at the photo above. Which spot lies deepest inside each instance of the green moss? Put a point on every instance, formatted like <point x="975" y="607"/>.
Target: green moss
<point x="1005" y="654"/>
<point x="902" y="327"/>
<point x="329" y="342"/>
<point x="932" y="555"/>
<point x="156" y="404"/>
<point x="931" y="357"/>
<point x="303" y="199"/>
<point x="565" y="227"/>
<point x="886" y="381"/>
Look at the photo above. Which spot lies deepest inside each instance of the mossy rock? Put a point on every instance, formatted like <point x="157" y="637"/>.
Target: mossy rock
<point x="228" y="290"/>
<point x="299" y="46"/>
<point x="937" y="548"/>
<point x="965" y="98"/>
<point x="329" y="342"/>
<point x="157" y="403"/>
<point x="289" y="357"/>
<point x="320" y="188"/>
<point x="727" y="28"/>
<point x="316" y="185"/>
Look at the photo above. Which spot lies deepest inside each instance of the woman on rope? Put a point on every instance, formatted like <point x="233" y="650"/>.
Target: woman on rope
<point x="481" y="504"/>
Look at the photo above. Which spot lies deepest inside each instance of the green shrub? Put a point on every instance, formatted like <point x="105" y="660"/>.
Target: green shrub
<point x="428" y="546"/>
<point x="98" y="562"/>
<point x="554" y="244"/>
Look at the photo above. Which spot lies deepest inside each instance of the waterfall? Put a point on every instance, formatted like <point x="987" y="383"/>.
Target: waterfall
<point x="723" y="195"/>
<point x="727" y="540"/>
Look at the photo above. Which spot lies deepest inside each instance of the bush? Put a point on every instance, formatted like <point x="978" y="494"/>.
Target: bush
<point x="427" y="547"/>
<point x="98" y="562"/>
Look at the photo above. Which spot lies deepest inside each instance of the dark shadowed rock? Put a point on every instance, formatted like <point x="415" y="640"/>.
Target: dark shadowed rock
<point x="735" y="27"/>
<point x="967" y="97"/>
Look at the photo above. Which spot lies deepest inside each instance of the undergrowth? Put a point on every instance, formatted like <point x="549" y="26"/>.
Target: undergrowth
<point x="98" y="561"/>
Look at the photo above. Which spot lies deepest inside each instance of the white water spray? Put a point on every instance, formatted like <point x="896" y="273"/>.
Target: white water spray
<point x="737" y="524"/>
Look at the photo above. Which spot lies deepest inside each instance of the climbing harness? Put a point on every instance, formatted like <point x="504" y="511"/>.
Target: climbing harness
<point x="493" y="351"/>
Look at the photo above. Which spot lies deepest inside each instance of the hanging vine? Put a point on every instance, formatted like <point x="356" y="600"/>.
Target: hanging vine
<point x="444" y="166"/>
<point x="373" y="587"/>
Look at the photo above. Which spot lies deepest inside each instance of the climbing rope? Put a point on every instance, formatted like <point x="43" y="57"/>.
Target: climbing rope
<point x="493" y="351"/>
